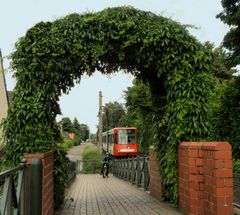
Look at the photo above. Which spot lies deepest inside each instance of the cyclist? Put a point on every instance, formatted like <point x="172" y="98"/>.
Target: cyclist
<point x="106" y="161"/>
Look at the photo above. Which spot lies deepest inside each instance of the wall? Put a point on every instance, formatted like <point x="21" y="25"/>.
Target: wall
<point x="47" y="180"/>
<point x="155" y="185"/>
<point x="71" y="136"/>
<point x="3" y="96"/>
<point x="205" y="178"/>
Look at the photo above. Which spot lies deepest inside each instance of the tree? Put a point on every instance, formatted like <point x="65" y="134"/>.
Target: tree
<point x="113" y="113"/>
<point x="84" y="131"/>
<point x="140" y="113"/>
<point x="227" y="117"/>
<point x="231" y="16"/>
<point x="76" y="125"/>
<point x="225" y="98"/>
<point x="220" y="61"/>
<point x="77" y="131"/>
<point x="67" y="124"/>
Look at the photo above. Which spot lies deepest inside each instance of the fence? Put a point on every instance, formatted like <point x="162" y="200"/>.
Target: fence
<point x="89" y="166"/>
<point x="12" y="186"/>
<point x="236" y="189"/>
<point x="72" y="171"/>
<point x="135" y="170"/>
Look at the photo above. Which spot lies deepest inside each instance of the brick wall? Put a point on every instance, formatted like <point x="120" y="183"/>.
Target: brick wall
<point x="205" y="178"/>
<point x="47" y="180"/>
<point x="155" y="185"/>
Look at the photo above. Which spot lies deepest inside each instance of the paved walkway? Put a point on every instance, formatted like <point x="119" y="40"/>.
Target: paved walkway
<point x="75" y="153"/>
<point x="92" y="194"/>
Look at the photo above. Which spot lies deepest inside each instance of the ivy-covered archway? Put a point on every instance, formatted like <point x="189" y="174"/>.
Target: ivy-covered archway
<point x="52" y="56"/>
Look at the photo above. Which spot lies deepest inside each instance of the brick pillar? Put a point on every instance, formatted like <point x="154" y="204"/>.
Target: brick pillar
<point x="155" y="185"/>
<point x="205" y="178"/>
<point x="47" y="180"/>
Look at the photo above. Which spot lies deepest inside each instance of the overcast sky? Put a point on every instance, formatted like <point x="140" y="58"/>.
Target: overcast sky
<point x="16" y="17"/>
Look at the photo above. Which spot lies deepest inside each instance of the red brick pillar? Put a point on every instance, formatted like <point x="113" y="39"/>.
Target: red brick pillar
<point x="47" y="180"/>
<point x="155" y="185"/>
<point x="205" y="178"/>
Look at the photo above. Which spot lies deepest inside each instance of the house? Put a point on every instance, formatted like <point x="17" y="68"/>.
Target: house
<point x="3" y="97"/>
<point x="68" y="136"/>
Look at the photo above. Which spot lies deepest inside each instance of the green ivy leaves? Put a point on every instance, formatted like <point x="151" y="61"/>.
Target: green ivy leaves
<point x="52" y="56"/>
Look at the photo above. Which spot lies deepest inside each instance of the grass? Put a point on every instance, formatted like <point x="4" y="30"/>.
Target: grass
<point x="92" y="159"/>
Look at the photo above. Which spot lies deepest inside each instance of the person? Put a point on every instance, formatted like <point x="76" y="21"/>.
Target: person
<point x="106" y="161"/>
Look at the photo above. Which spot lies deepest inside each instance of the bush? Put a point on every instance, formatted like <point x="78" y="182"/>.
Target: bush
<point x="77" y="140"/>
<point x="66" y="144"/>
<point x="92" y="159"/>
<point x="236" y="165"/>
<point x="61" y="179"/>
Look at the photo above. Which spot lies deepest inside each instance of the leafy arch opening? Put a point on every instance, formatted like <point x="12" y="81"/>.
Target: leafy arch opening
<point x="53" y="56"/>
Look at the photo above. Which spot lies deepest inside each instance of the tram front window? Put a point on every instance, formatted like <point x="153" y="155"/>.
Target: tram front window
<point x="126" y="137"/>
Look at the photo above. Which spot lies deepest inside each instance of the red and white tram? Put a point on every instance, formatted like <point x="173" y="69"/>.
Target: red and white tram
<point x="121" y="142"/>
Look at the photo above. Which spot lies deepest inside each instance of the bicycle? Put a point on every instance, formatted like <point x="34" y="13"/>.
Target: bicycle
<point x="104" y="173"/>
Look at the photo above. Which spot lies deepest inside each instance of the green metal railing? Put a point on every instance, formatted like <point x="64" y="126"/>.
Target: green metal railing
<point x="72" y="171"/>
<point x="135" y="170"/>
<point x="236" y="189"/>
<point x="12" y="185"/>
<point x="21" y="189"/>
<point x="88" y="166"/>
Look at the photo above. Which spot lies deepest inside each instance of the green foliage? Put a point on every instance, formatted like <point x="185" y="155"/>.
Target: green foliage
<point x="67" y="125"/>
<point x="53" y="56"/>
<point x="140" y="113"/>
<point x="227" y="118"/>
<point x="84" y="132"/>
<point x="77" y="140"/>
<point x="77" y="126"/>
<point x="61" y="163"/>
<point x="80" y="130"/>
<point x="219" y="67"/>
<point x="236" y="166"/>
<point x="113" y="113"/>
<point x="231" y="16"/>
<point x="92" y="159"/>
<point x="66" y="144"/>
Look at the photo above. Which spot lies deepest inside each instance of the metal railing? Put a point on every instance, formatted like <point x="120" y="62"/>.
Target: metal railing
<point x="88" y="166"/>
<point x="13" y="195"/>
<point x="72" y="171"/>
<point x="135" y="170"/>
<point x="236" y="189"/>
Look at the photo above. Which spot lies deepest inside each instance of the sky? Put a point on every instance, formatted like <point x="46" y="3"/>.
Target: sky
<point x="16" y="17"/>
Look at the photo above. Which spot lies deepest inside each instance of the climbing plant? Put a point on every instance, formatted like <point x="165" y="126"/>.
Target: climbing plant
<point x="139" y="113"/>
<point x="53" y="56"/>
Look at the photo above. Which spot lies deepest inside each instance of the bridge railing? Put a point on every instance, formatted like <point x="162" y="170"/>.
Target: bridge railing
<point x="12" y="190"/>
<point x="72" y="171"/>
<point x="135" y="170"/>
<point x="236" y="189"/>
<point x="88" y="166"/>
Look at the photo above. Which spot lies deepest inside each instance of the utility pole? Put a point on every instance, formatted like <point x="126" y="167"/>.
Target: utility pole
<point x="100" y="127"/>
<point x="107" y="125"/>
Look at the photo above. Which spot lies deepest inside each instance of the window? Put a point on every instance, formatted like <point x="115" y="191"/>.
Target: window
<point x="126" y="136"/>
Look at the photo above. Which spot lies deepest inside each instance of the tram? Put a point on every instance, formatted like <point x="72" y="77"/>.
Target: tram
<point x="121" y="142"/>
